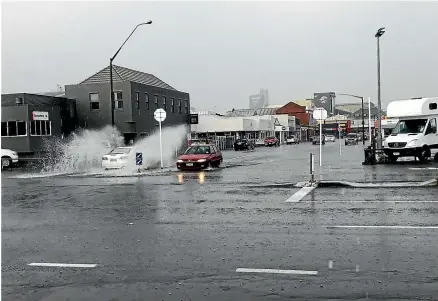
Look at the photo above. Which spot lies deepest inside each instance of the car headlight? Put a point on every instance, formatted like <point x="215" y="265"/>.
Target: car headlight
<point x="385" y="143"/>
<point x="412" y="143"/>
<point x="202" y="160"/>
<point x="179" y="161"/>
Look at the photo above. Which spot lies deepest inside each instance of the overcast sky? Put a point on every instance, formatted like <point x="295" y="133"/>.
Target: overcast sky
<point x="221" y="52"/>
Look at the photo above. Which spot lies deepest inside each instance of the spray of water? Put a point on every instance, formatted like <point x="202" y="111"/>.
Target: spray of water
<point x="83" y="151"/>
<point x="172" y="140"/>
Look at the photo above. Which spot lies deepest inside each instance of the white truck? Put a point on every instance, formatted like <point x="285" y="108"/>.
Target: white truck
<point x="416" y="131"/>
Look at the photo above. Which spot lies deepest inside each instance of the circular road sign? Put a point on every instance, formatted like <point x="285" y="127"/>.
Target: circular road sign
<point x="160" y="115"/>
<point x="319" y="114"/>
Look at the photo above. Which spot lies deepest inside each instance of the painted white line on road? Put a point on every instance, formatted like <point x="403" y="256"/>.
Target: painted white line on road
<point x="276" y="271"/>
<point x="384" y="227"/>
<point x="368" y="201"/>
<point x="62" y="265"/>
<point x="300" y="194"/>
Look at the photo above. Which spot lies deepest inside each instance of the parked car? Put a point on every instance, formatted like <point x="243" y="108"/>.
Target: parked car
<point x="316" y="140"/>
<point x="330" y="138"/>
<point x="292" y="140"/>
<point x="117" y="158"/>
<point x="351" y="139"/>
<point x="243" y="144"/>
<point x="9" y="157"/>
<point x="272" y="141"/>
<point x="198" y="157"/>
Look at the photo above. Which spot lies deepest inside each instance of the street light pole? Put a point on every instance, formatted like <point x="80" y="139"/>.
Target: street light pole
<point x="111" y="71"/>
<point x="363" y="120"/>
<point x="379" y="33"/>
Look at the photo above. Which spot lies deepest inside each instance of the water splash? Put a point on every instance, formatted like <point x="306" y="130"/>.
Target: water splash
<point x="81" y="152"/>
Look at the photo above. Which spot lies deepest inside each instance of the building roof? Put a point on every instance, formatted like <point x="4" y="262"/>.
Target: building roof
<point x="251" y="112"/>
<point x="33" y="99"/>
<point x="121" y="74"/>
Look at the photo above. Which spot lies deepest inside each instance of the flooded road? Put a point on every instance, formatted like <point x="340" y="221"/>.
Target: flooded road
<point x="223" y="234"/>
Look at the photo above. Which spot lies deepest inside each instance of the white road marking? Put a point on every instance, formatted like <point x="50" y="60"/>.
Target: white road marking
<point x="300" y="194"/>
<point x="62" y="265"/>
<point x="423" y="168"/>
<point x="330" y="266"/>
<point x="357" y="268"/>
<point x="369" y="201"/>
<point x="384" y="227"/>
<point x="275" y="271"/>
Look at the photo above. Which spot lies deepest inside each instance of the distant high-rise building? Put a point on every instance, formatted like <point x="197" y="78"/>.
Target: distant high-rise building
<point x="260" y="100"/>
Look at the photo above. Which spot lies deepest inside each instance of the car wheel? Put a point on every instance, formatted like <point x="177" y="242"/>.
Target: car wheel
<point x="424" y="154"/>
<point x="6" y="162"/>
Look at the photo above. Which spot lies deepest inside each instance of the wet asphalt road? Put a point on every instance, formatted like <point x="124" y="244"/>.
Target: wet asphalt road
<point x="181" y="236"/>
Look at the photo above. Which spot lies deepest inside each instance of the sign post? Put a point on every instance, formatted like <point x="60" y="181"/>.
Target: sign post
<point x="340" y="140"/>
<point x="160" y="116"/>
<point x="320" y="114"/>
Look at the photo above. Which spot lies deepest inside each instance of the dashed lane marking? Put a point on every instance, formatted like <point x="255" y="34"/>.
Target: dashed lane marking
<point x="62" y="265"/>
<point x="276" y="271"/>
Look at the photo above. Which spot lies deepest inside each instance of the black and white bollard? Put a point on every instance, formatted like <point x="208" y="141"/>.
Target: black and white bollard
<point x="312" y="168"/>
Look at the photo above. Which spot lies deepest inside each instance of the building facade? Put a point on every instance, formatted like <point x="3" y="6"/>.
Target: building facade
<point x="305" y="123"/>
<point x="137" y="95"/>
<point x="31" y="121"/>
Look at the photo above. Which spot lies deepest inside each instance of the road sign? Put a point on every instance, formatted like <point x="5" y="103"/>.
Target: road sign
<point x="138" y="158"/>
<point x="160" y="115"/>
<point x="320" y="114"/>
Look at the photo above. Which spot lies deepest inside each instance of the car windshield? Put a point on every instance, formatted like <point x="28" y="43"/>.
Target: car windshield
<point x="120" y="150"/>
<point x="199" y="149"/>
<point x="412" y="126"/>
<point x="351" y="135"/>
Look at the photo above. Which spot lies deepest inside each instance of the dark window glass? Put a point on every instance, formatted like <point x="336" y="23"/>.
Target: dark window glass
<point x="21" y="128"/>
<point x="172" y="105"/>
<point x="164" y="103"/>
<point x="156" y="101"/>
<point x="12" y="128"/>
<point x="4" y="129"/>
<point x="137" y="100"/>
<point x="146" y="101"/>
<point x="94" y="101"/>
<point x="179" y="106"/>
<point x="32" y="127"/>
<point x="43" y="127"/>
<point x="38" y="127"/>
<point x="118" y="95"/>
<point x="186" y="106"/>
<point x="94" y="106"/>
<point x="49" y="128"/>
<point x="120" y="104"/>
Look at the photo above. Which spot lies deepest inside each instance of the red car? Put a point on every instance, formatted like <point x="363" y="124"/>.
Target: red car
<point x="199" y="156"/>
<point x="272" y="141"/>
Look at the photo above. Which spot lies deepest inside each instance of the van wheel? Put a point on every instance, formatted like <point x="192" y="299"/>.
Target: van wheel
<point x="6" y="162"/>
<point x="392" y="158"/>
<point x="424" y="154"/>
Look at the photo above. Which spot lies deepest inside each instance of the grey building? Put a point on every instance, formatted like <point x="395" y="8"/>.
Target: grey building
<point x="260" y="100"/>
<point x="137" y="95"/>
<point x="30" y="121"/>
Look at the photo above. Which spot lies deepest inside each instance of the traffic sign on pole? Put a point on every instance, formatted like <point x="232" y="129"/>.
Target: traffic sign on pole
<point x="320" y="114"/>
<point x="138" y="159"/>
<point x="160" y="116"/>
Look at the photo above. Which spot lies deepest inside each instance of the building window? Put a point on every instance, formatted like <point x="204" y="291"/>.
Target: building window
<point x="179" y="106"/>
<point x="172" y="105"/>
<point x="186" y="106"/>
<point x="164" y="103"/>
<point x="14" y="128"/>
<point x="156" y="101"/>
<point x="146" y="101"/>
<point x="118" y="98"/>
<point x="40" y="128"/>
<point x="137" y="100"/>
<point x="94" y="101"/>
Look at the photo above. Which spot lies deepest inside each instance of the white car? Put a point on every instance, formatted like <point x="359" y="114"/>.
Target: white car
<point x="117" y="158"/>
<point x="292" y="140"/>
<point x="330" y="138"/>
<point x="9" y="157"/>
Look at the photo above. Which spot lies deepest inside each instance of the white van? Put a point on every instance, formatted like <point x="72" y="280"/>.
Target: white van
<point x="416" y="131"/>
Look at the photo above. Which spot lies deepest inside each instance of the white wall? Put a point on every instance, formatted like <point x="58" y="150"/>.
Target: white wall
<point x="214" y="123"/>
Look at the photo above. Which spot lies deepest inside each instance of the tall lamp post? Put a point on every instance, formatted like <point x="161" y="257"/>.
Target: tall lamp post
<point x="378" y="34"/>
<point x="111" y="70"/>
<point x="363" y="120"/>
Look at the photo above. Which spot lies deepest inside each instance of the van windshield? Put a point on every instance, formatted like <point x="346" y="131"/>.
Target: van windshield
<point x="412" y="126"/>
